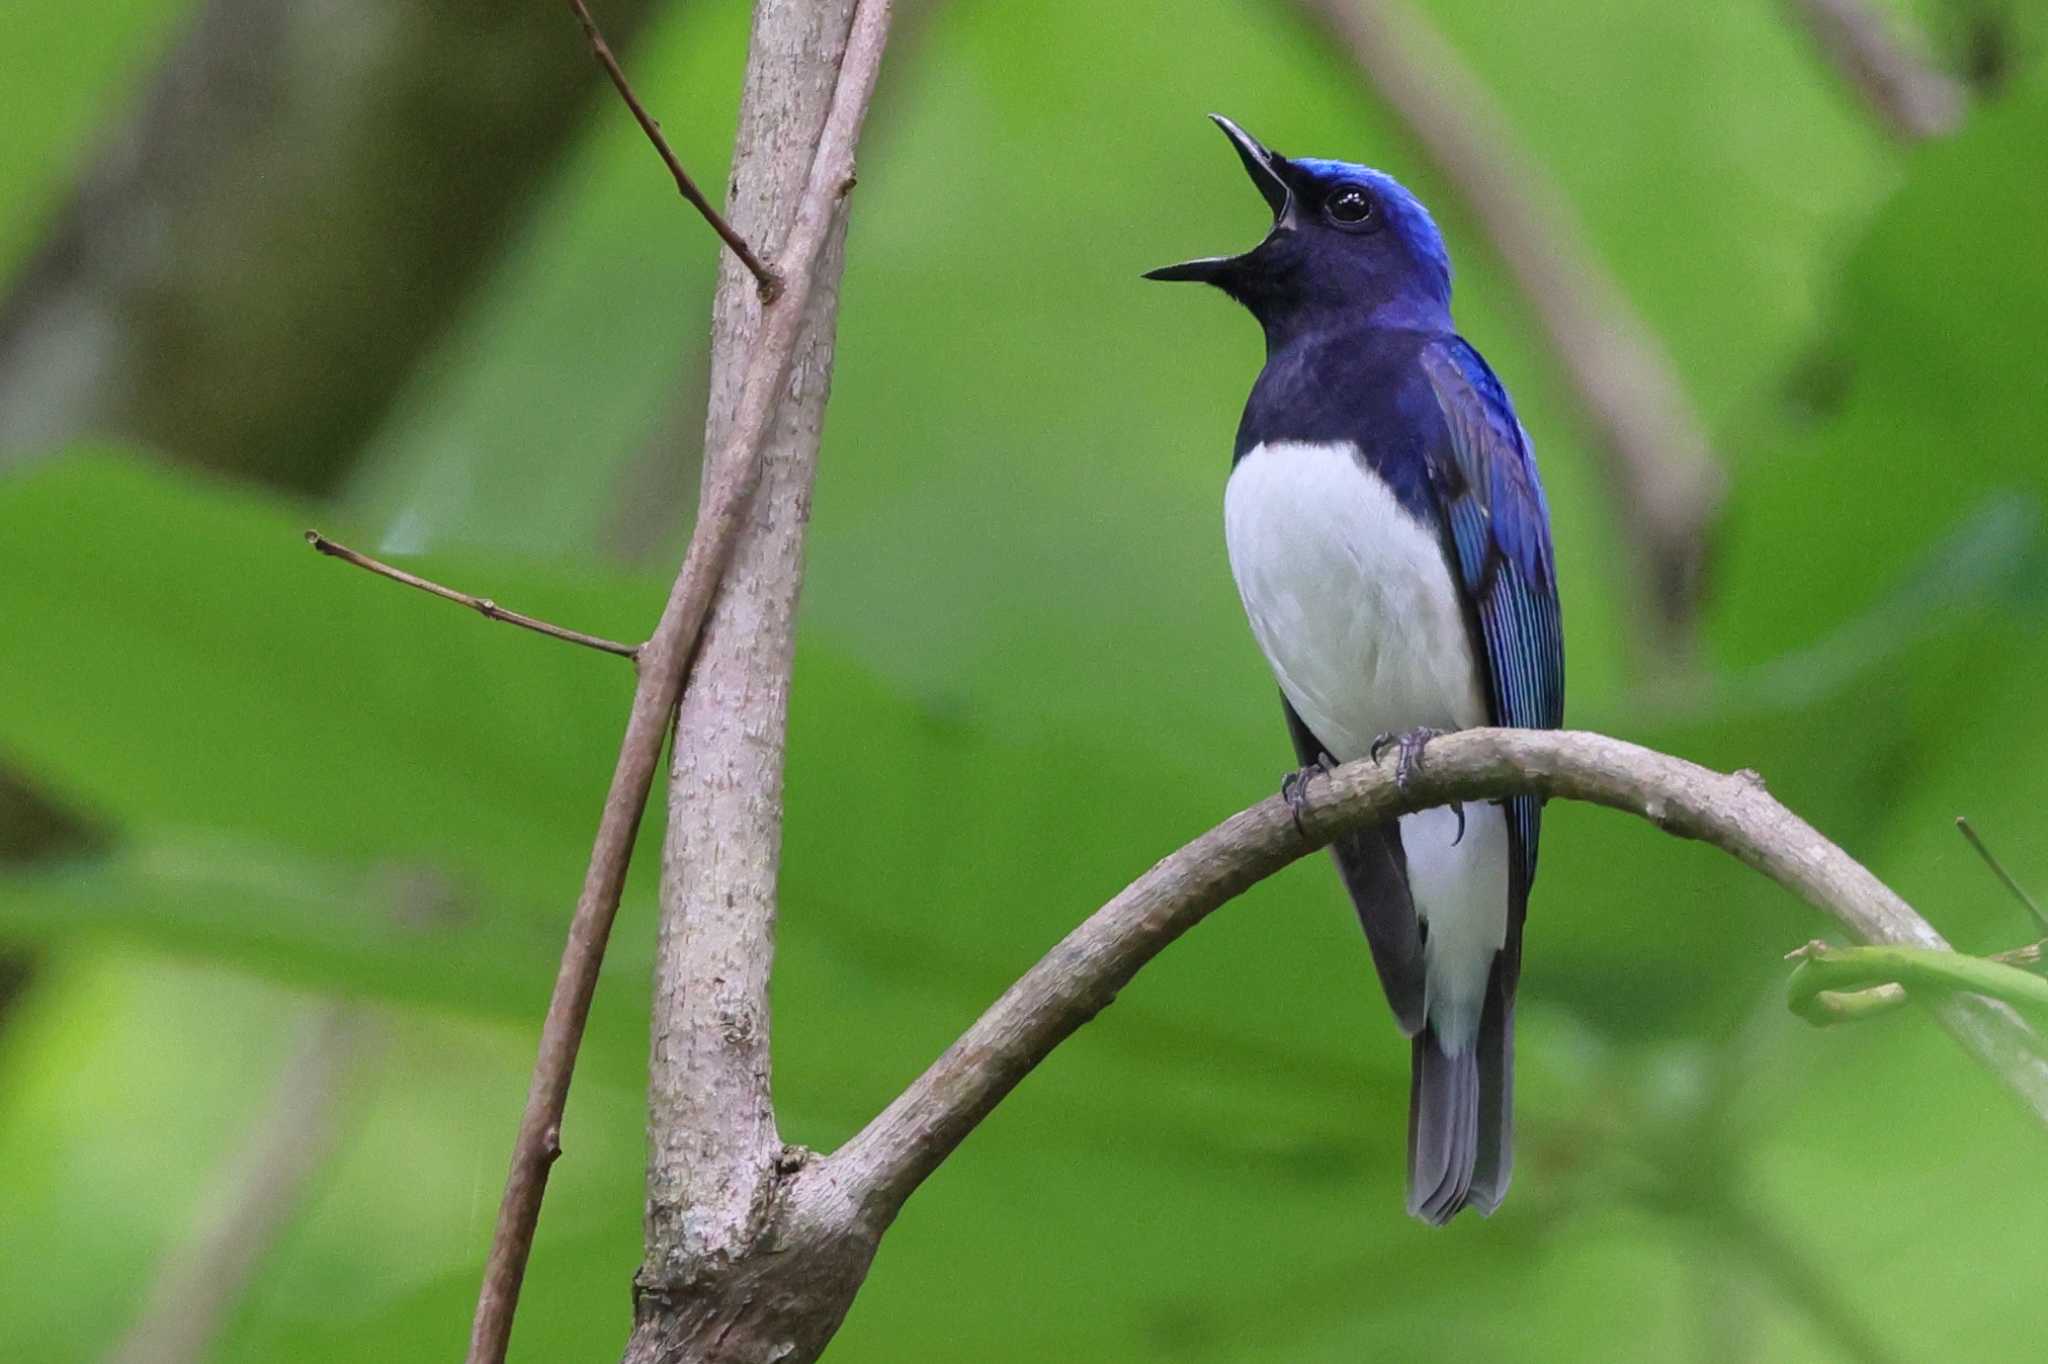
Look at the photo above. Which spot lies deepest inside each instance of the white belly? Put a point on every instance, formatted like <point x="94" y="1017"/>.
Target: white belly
<point x="1352" y="602"/>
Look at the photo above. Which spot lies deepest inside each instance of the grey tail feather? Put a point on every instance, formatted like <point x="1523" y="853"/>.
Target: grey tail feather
<point x="1460" y="1117"/>
<point x="1496" y="1162"/>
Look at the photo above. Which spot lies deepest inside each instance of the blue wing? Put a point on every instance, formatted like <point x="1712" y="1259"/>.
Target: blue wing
<point x="1498" y="524"/>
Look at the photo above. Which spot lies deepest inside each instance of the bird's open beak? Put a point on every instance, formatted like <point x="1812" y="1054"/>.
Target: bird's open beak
<point x="1264" y="168"/>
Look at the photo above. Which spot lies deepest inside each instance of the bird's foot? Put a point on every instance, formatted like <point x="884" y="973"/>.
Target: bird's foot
<point x="1407" y="747"/>
<point x="1294" y="786"/>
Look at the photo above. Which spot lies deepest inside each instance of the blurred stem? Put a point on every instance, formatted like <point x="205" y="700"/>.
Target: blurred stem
<point x="1913" y="98"/>
<point x="1846" y="984"/>
<point x="1792" y="1274"/>
<point x="255" y="1195"/>
<point x="1728" y="1333"/>
<point x="302" y="198"/>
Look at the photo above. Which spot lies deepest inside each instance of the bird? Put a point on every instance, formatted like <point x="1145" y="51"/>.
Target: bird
<point x="1390" y="541"/>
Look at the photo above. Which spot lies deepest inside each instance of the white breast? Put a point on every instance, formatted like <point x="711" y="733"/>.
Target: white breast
<point x="1349" y="596"/>
<point x="1352" y="602"/>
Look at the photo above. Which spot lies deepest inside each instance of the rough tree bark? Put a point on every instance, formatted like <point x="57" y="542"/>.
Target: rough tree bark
<point x="715" y="1156"/>
<point x="734" y="472"/>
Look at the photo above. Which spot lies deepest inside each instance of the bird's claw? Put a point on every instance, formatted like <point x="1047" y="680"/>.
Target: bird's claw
<point x="1294" y="786"/>
<point x="1407" y="746"/>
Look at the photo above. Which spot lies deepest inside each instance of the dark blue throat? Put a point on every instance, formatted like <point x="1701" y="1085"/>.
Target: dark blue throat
<point x="1363" y="384"/>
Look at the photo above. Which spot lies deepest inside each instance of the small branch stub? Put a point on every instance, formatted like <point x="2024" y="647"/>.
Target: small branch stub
<point x="2005" y="878"/>
<point x="483" y="606"/>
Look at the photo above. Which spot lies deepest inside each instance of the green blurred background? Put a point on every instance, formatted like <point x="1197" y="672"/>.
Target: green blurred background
<point x="280" y="844"/>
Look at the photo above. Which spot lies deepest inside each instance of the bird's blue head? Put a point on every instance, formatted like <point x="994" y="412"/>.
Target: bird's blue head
<point x="1349" y="245"/>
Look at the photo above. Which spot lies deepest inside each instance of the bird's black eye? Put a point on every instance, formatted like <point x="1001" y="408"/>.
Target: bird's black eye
<point x="1350" y="206"/>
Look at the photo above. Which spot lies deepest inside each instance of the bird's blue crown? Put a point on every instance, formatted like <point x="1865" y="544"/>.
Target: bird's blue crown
<point x="1406" y="218"/>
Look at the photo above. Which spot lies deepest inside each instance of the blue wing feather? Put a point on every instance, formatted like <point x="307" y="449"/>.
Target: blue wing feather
<point x="1498" y="523"/>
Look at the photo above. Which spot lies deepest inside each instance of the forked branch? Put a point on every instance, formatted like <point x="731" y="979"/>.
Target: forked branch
<point x="783" y="1295"/>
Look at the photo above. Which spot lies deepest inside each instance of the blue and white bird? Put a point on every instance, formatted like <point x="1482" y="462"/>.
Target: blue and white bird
<point x="1391" y="543"/>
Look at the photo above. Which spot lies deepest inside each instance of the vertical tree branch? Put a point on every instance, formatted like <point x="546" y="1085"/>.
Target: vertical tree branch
<point x="714" y="1149"/>
<point x="1660" y="465"/>
<point x="1913" y="99"/>
<point x="734" y="474"/>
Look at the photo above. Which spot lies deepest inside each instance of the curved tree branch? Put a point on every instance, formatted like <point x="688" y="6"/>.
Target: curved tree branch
<point x="780" y="1289"/>
<point x="882" y="1165"/>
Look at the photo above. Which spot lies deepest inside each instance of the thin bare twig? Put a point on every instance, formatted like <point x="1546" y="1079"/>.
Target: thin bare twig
<point x="1661" y="466"/>
<point x="2004" y="877"/>
<point x="894" y="1153"/>
<point x="257" y="1191"/>
<point x="1913" y="99"/>
<point x="483" y="606"/>
<point x="734" y="475"/>
<point x="763" y="273"/>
